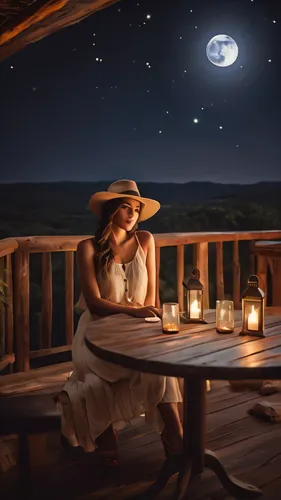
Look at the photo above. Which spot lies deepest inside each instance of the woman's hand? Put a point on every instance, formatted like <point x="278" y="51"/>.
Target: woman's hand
<point x="145" y="312"/>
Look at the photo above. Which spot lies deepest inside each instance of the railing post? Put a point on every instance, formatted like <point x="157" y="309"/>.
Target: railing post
<point x="252" y="258"/>
<point x="69" y="296"/>
<point x="262" y="274"/>
<point x="47" y="301"/>
<point x="236" y="275"/>
<point x="21" y="305"/>
<point x="157" y="291"/>
<point x="219" y="270"/>
<point x="276" y="282"/>
<point x="201" y="260"/>
<point x="2" y="312"/>
<point x="9" y="307"/>
<point x="180" y="274"/>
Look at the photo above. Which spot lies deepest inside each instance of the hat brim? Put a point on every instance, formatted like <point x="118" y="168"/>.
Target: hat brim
<point x="149" y="206"/>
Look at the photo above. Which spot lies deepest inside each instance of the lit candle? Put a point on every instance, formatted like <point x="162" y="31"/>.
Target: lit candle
<point x="194" y="310"/>
<point x="253" y="320"/>
<point x="226" y="329"/>
<point x="171" y="327"/>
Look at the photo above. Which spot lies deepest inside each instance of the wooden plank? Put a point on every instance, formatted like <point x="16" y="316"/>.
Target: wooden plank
<point x="9" y="306"/>
<point x="69" y="296"/>
<point x="204" y="353"/>
<point x="262" y="274"/>
<point x="34" y="380"/>
<point x="21" y="280"/>
<point x="6" y="360"/>
<point x="276" y="282"/>
<point x="8" y="246"/>
<point x="47" y="301"/>
<point x="2" y="309"/>
<point x="248" y="447"/>
<point x="157" y="258"/>
<point x="219" y="270"/>
<point x="201" y="260"/>
<point x="236" y="275"/>
<point x="48" y="352"/>
<point x="180" y="275"/>
<point x="41" y="244"/>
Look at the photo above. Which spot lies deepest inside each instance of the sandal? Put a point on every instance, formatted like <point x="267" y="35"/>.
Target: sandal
<point x="109" y="458"/>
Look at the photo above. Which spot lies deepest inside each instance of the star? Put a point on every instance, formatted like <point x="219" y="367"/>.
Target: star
<point x="195" y="120"/>
<point x="159" y="131"/>
<point x="148" y="16"/>
<point x="12" y="67"/>
<point x="220" y="127"/>
<point x="269" y="60"/>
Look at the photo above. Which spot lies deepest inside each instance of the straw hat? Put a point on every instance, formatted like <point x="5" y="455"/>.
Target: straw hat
<point x="124" y="189"/>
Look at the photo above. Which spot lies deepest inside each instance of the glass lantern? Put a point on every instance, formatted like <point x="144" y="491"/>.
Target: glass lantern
<point x="193" y="299"/>
<point x="253" y="309"/>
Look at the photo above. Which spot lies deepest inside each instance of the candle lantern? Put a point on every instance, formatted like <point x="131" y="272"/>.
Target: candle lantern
<point x="193" y="299"/>
<point x="253" y="309"/>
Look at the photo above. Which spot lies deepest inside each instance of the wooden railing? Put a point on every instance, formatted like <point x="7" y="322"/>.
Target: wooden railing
<point x="7" y="357"/>
<point x="17" y="310"/>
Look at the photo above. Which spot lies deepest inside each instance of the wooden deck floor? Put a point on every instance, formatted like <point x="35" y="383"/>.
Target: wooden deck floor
<point x="248" y="447"/>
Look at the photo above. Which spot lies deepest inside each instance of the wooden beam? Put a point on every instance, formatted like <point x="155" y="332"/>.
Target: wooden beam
<point x="69" y="296"/>
<point x="219" y="270"/>
<point x="236" y="276"/>
<point x="47" y="301"/>
<point x="21" y="280"/>
<point x="34" y="21"/>
<point x="180" y="274"/>
<point x="157" y="258"/>
<point x="201" y="260"/>
<point x="6" y="360"/>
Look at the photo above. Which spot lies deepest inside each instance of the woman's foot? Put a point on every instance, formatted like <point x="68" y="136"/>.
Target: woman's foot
<point x="109" y="458"/>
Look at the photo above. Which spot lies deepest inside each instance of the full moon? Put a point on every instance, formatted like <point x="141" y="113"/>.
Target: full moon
<point x="222" y="51"/>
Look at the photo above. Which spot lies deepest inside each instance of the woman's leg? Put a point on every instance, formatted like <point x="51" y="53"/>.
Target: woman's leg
<point x="172" y="435"/>
<point x="107" y="444"/>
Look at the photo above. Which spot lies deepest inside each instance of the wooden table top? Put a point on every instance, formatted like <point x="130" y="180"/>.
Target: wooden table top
<point x="196" y="350"/>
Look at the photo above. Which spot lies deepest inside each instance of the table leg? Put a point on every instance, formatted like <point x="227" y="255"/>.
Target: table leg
<point x="195" y="456"/>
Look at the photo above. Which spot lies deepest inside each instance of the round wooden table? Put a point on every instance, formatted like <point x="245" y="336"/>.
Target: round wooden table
<point x="196" y="353"/>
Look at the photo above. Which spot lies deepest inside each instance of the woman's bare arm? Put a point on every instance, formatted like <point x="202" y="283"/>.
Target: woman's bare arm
<point x="151" y="270"/>
<point x="89" y="285"/>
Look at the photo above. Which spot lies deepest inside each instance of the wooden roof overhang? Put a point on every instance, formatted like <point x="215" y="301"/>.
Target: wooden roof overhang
<point x="26" y="21"/>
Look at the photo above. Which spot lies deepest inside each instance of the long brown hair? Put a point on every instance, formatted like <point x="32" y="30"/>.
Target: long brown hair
<point x="104" y="254"/>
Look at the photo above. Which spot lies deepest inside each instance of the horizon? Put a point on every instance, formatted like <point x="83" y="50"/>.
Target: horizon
<point x="140" y="182"/>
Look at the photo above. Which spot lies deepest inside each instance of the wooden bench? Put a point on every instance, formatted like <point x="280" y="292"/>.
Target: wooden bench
<point x="27" y="407"/>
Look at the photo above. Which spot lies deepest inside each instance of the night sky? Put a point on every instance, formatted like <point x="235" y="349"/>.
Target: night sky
<point x="129" y="92"/>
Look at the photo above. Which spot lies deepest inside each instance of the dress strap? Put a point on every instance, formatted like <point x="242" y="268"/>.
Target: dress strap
<point x="140" y="249"/>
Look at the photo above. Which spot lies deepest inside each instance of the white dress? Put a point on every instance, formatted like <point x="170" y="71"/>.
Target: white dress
<point x="102" y="393"/>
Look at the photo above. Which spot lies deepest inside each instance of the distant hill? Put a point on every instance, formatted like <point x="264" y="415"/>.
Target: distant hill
<point x="74" y="196"/>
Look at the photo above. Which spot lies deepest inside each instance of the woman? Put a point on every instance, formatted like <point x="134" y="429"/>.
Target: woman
<point x="117" y="275"/>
